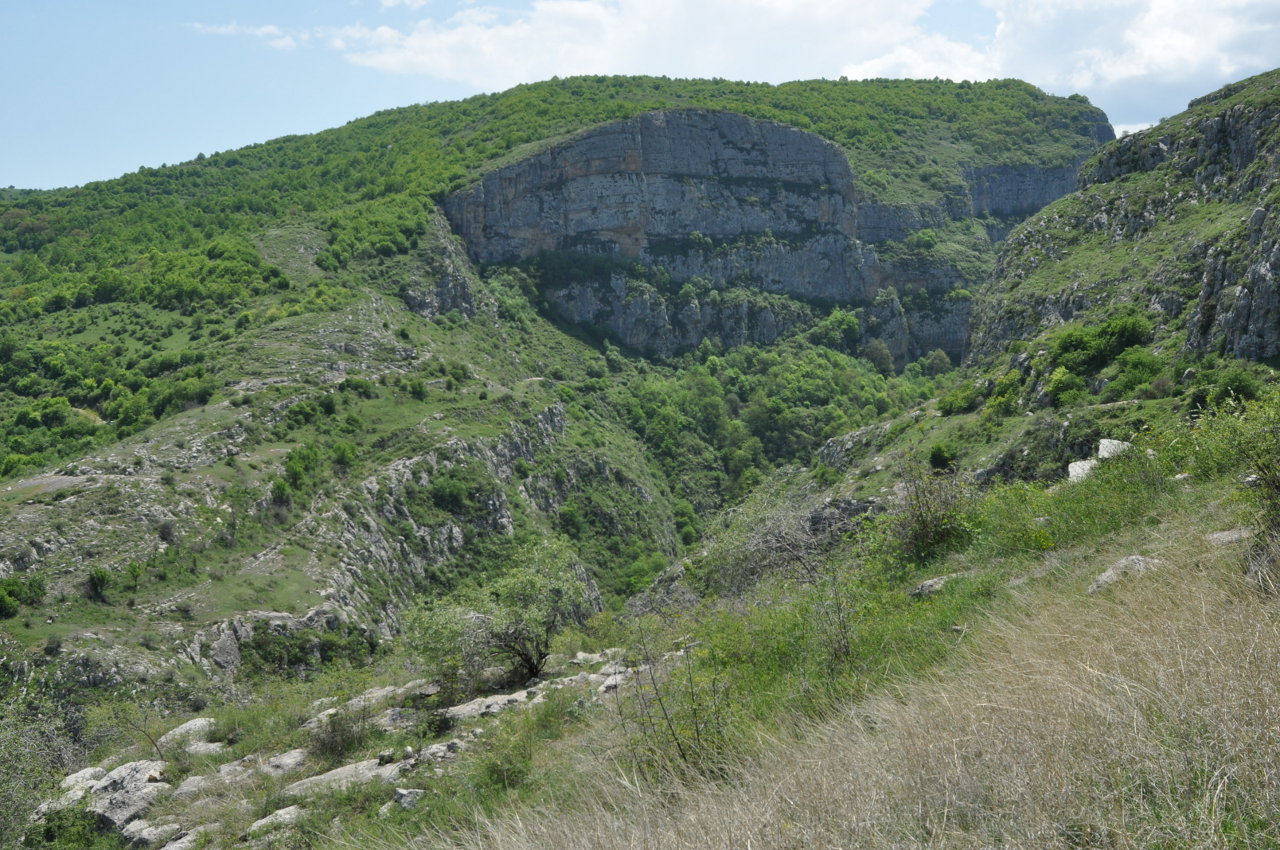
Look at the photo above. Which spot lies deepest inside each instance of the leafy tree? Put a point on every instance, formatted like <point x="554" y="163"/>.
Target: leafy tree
<point x="514" y="620"/>
<point x="879" y="355"/>
<point x="98" y="581"/>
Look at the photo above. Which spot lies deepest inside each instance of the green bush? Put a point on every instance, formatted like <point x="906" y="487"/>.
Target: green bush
<point x="98" y="582"/>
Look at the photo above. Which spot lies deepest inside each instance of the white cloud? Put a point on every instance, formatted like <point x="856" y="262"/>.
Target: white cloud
<point x="748" y="39"/>
<point x="1091" y="43"/>
<point x="273" y="35"/>
<point x="1125" y="50"/>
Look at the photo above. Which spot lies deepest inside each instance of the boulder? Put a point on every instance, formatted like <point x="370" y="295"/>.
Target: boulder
<point x="141" y="833"/>
<point x="339" y="778"/>
<point x="191" y="838"/>
<point x="124" y="794"/>
<point x="195" y="729"/>
<point x="82" y="779"/>
<point x="286" y="762"/>
<point x="281" y="817"/>
<point x="1112" y="448"/>
<point x="1081" y="469"/>
<point x="194" y="786"/>
<point x="407" y="798"/>
<point x="613" y="682"/>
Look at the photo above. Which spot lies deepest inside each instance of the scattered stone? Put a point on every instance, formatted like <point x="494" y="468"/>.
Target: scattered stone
<point x="1079" y="470"/>
<point x="929" y="587"/>
<point x="612" y="668"/>
<point x="205" y="748"/>
<point x="395" y="720"/>
<point x="144" y="834"/>
<point x="196" y="729"/>
<point x="191" y="838"/>
<point x="1130" y="565"/>
<point x="407" y="798"/>
<point x="284" y="763"/>
<point x="1112" y="448"/>
<point x="1226" y="538"/>
<point x="281" y="817"/>
<point x="193" y="786"/>
<point x="343" y="777"/>
<point x="612" y="683"/>
<point x="1182" y="476"/>
<point x="124" y="794"/>
<point x="82" y="779"/>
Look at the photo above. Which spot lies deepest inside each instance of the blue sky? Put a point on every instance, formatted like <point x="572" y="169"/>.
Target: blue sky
<point x="96" y="89"/>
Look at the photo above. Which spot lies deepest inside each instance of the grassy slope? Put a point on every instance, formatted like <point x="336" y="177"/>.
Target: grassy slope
<point x="1136" y="716"/>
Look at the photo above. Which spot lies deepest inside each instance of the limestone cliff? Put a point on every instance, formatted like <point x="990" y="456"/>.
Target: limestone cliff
<point x="731" y="201"/>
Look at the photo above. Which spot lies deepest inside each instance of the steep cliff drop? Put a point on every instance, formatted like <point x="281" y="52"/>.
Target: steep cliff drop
<point x="707" y="224"/>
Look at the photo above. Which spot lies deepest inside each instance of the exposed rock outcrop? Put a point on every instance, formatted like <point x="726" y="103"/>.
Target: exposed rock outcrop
<point x="732" y="202"/>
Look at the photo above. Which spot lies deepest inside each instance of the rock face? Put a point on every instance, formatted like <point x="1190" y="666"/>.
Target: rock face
<point x="636" y="187"/>
<point x="737" y="204"/>
<point x="644" y="319"/>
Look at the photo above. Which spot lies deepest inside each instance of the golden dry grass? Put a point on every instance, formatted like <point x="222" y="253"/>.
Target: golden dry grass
<point x="1147" y="718"/>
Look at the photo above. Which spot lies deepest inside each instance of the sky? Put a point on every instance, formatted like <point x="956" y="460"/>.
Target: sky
<point x="97" y="89"/>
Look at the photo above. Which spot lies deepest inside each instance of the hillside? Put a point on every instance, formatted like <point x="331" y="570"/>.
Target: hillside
<point x="645" y="387"/>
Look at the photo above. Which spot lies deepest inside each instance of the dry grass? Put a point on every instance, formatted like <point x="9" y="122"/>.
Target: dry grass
<point x="1149" y="718"/>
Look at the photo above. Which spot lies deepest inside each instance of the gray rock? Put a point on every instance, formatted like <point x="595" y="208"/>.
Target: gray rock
<point x="929" y="587"/>
<point x="395" y="720"/>
<point x="737" y="202"/>
<point x="1130" y="565"/>
<point x="283" y="763"/>
<point x="233" y="773"/>
<point x="194" y="786"/>
<point x="613" y="682"/>
<point x="281" y="817"/>
<point x="195" y="729"/>
<point x="407" y="798"/>
<point x="140" y="833"/>
<point x="126" y="793"/>
<point x="489" y="706"/>
<point x="205" y="748"/>
<point x="320" y="719"/>
<point x="1112" y="448"/>
<point x="82" y="779"/>
<point x="337" y="779"/>
<point x="189" y="840"/>
<point x="1079" y="470"/>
